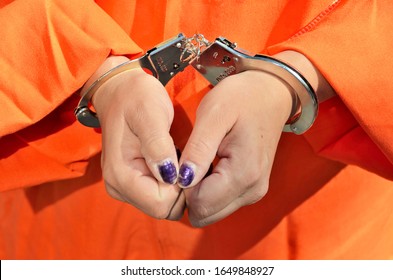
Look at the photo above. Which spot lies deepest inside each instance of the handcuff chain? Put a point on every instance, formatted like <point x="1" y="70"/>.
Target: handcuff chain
<point x="194" y="47"/>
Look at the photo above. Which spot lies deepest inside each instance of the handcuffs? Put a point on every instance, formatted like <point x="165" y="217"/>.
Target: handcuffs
<point x="215" y="61"/>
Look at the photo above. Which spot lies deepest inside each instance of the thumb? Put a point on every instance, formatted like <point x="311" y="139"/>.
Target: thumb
<point x="212" y="123"/>
<point x="150" y="118"/>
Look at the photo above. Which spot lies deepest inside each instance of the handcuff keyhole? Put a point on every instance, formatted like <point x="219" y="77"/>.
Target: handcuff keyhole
<point x="225" y="59"/>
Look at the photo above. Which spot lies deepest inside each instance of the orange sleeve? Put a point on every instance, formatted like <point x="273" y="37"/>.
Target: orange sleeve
<point x="48" y="49"/>
<point x="351" y="44"/>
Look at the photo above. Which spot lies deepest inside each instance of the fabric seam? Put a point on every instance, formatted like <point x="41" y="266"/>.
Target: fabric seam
<point x="316" y="20"/>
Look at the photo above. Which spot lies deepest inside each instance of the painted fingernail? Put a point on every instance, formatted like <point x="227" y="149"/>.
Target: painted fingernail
<point x="186" y="175"/>
<point x="168" y="171"/>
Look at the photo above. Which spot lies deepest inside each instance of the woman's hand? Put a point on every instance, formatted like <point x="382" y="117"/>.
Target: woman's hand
<point x="139" y="160"/>
<point x="240" y="121"/>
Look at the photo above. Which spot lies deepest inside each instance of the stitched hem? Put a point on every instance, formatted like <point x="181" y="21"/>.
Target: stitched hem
<point x="315" y="21"/>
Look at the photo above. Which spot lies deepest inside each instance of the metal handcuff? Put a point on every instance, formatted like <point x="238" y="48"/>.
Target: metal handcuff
<point x="215" y="61"/>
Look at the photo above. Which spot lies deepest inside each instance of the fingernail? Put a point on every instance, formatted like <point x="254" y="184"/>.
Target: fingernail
<point x="168" y="171"/>
<point x="186" y="175"/>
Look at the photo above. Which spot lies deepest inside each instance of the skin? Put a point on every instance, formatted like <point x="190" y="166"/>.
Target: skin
<point x="136" y="140"/>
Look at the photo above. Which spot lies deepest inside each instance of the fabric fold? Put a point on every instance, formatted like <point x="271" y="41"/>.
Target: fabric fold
<point x="364" y="89"/>
<point x="44" y="33"/>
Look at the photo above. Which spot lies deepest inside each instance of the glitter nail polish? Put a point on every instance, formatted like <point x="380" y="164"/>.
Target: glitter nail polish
<point x="168" y="172"/>
<point x="186" y="175"/>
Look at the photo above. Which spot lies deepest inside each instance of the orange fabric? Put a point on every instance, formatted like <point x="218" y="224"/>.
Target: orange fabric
<point x="330" y="193"/>
<point x="359" y="72"/>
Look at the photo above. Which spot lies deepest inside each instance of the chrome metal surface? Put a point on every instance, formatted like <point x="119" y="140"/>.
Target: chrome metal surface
<point x="222" y="59"/>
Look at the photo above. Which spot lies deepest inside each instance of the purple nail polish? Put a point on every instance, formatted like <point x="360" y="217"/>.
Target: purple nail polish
<point x="168" y="172"/>
<point x="186" y="175"/>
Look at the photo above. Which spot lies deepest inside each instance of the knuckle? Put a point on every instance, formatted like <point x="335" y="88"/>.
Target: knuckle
<point x="121" y="187"/>
<point x="160" y="209"/>
<point x="110" y="175"/>
<point x="257" y="194"/>
<point x="112" y="192"/>
<point x="115" y="181"/>
<point x="201" y="211"/>
<point x="199" y="217"/>
<point x="198" y="208"/>
<point x="249" y="178"/>
<point x="157" y="207"/>
<point x="176" y="216"/>
<point x="197" y="223"/>
<point x="200" y="147"/>
<point x="157" y="145"/>
<point x="254" y="173"/>
<point x="109" y="178"/>
<point x="255" y="180"/>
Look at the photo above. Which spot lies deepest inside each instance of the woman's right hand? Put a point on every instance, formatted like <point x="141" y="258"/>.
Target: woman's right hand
<point x="139" y="160"/>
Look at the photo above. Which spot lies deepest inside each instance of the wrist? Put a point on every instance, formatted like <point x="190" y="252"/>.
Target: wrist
<point x="277" y="94"/>
<point x="115" y="93"/>
<point x="109" y="63"/>
<point x="301" y="63"/>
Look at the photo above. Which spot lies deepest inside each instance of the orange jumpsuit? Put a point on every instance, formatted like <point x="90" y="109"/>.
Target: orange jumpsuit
<point x="330" y="195"/>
